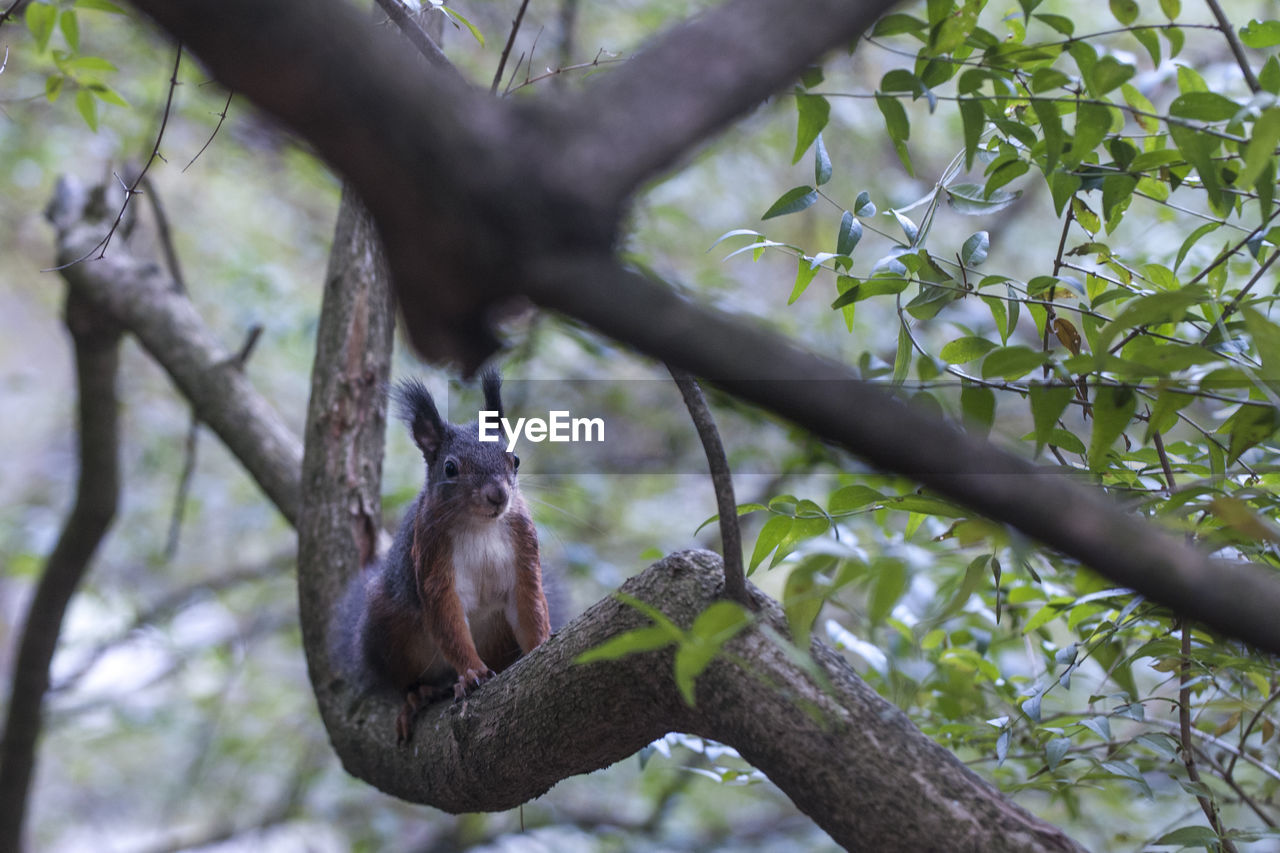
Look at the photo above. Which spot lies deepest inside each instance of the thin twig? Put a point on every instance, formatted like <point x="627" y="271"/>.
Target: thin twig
<point x="735" y="584"/>
<point x="4" y="16"/>
<point x="166" y="235"/>
<point x="222" y="116"/>
<point x="132" y="190"/>
<point x="238" y="362"/>
<point x="1237" y="49"/>
<point x="1207" y="805"/>
<point x="1169" y="484"/>
<point x="1248" y="729"/>
<point x="506" y="49"/>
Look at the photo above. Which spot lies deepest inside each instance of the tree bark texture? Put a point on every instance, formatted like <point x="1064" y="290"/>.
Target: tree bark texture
<point x="468" y="224"/>
<point x="96" y="339"/>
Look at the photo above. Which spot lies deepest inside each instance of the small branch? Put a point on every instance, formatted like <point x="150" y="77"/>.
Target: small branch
<point x="1207" y="805"/>
<point x="506" y="50"/>
<point x="4" y="16"/>
<point x="97" y="351"/>
<point x="735" y="584"/>
<point x="417" y="36"/>
<point x="222" y="116"/>
<point x="165" y="234"/>
<point x="1158" y="441"/>
<point x="132" y="189"/>
<point x="1237" y="49"/>
<point x="1248" y="729"/>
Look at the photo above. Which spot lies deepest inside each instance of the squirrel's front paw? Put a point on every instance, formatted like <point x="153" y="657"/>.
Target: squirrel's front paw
<point x="469" y="680"/>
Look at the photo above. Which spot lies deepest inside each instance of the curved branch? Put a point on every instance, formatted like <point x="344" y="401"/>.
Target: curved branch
<point x="735" y="582"/>
<point x="97" y="353"/>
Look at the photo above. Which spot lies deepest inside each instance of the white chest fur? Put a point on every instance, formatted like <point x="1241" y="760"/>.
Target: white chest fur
<point x="484" y="567"/>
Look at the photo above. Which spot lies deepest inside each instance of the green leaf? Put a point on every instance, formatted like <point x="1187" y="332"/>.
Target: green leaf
<point x="973" y="200"/>
<point x="1266" y="339"/>
<point x="1093" y="122"/>
<point x="895" y="117"/>
<point x="1107" y="74"/>
<point x="1262" y="147"/>
<point x="1269" y="76"/>
<point x="821" y="163"/>
<point x="966" y="349"/>
<point x="1192" y="239"/>
<point x="902" y="358"/>
<point x="1247" y="427"/>
<point x="803" y="597"/>
<point x="955" y="28"/>
<point x="40" y="19"/>
<point x="1165" y="307"/>
<point x="1165" y="412"/>
<point x="1149" y="40"/>
<point x="772" y="533"/>
<point x="1126" y="11"/>
<point x="974" y="251"/>
<point x="792" y="201"/>
<point x="850" y="234"/>
<point x="898" y="23"/>
<point x="1054" y="751"/>
<point x="974" y="121"/>
<point x="1260" y="34"/>
<point x="70" y="29"/>
<point x="631" y="642"/>
<point x="53" y="86"/>
<point x="909" y="228"/>
<point x="1011" y="363"/>
<point x="1190" y="836"/>
<point x="1061" y="23"/>
<point x="1051" y="127"/>
<point x="863" y="205"/>
<point x="1000" y="315"/>
<point x="851" y="498"/>
<point x="87" y="104"/>
<point x="1113" y="408"/>
<point x="805" y="272"/>
<point x="1204" y="106"/>
<point x="1199" y="148"/>
<point x="1145" y="115"/>
<point x="714" y="627"/>
<point x="1048" y="402"/>
<point x="812" y="111"/>
<point x="1171" y="8"/>
<point x="978" y="405"/>
<point x="887" y="587"/>
<point x="452" y="13"/>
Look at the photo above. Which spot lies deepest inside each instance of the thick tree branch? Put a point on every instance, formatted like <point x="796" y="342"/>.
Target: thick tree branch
<point x="97" y="354"/>
<point x="689" y="83"/>
<point x="145" y="300"/>
<point x="1237" y="599"/>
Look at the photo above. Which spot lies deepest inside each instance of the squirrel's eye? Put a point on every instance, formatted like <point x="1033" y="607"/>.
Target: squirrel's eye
<point x="515" y="461"/>
<point x="450" y="468"/>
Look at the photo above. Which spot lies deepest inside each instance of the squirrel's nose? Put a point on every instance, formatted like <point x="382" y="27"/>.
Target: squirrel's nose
<point x="495" y="497"/>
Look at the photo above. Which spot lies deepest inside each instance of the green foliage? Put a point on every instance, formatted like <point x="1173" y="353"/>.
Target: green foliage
<point x="1150" y="368"/>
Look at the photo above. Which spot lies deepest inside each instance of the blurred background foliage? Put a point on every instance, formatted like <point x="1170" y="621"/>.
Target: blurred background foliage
<point x="181" y="714"/>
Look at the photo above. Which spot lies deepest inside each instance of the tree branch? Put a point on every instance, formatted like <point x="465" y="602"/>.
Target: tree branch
<point x="735" y="582"/>
<point x="689" y="83"/>
<point x="143" y="299"/>
<point x="97" y="352"/>
<point x="1238" y="599"/>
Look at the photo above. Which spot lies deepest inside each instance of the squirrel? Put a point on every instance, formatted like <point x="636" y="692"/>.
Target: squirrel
<point x="458" y="596"/>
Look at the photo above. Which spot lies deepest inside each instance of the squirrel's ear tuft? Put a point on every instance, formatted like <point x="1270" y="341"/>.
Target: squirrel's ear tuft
<point x="417" y="409"/>
<point x="491" y="382"/>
